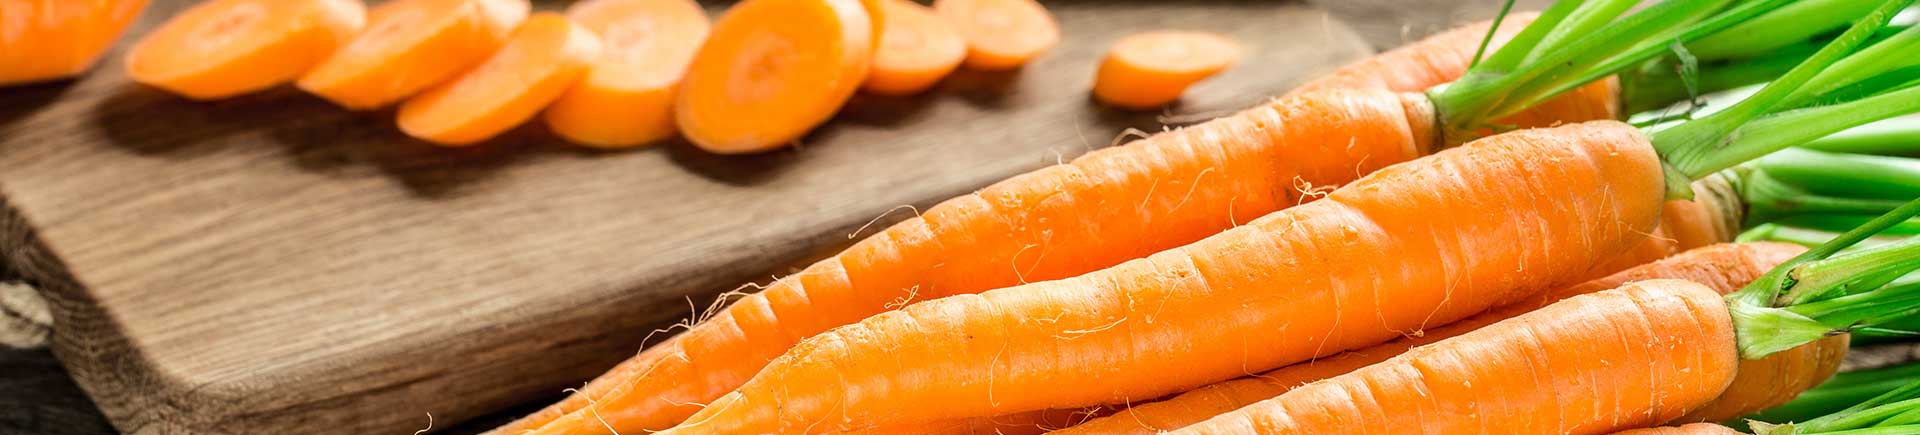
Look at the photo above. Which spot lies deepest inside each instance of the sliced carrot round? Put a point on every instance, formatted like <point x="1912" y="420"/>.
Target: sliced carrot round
<point x="1151" y="69"/>
<point x="52" y="39"/>
<point x="627" y="98"/>
<point x="410" y="45"/>
<point x="917" y="49"/>
<point x="1001" y="34"/>
<point x="773" y="70"/>
<point x="543" y="58"/>
<point x="223" y="48"/>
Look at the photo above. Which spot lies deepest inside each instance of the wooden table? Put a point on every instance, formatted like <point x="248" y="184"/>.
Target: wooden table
<point x="36" y="396"/>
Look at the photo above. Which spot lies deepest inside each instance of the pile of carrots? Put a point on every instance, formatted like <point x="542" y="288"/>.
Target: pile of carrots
<point x="607" y="73"/>
<point x="1457" y="236"/>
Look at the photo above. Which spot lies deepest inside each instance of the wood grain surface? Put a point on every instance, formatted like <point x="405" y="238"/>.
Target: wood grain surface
<point x="271" y="264"/>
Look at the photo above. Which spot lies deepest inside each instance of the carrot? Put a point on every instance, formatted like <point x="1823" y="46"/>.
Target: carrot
<point x="1440" y="58"/>
<point x="1372" y="261"/>
<point x="224" y="48"/>
<point x="1668" y="345"/>
<point x="756" y="85"/>
<point x="1151" y="69"/>
<point x="44" y="40"/>
<point x="543" y="58"/>
<point x="1722" y="267"/>
<point x="1001" y="34"/>
<point x="1691" y="429"/>
<point x="1282" y="153"/>
<point x="627" y="98"/>
<point x="916" y="50"/>
<point x="410" y="45"/>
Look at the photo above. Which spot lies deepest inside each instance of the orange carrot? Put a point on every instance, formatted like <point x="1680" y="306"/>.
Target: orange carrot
<point x="1760" y="384"/>
<point x="1187" y="184"/>
<point x="1691" y="429"/>
<point x="773" y="70"/>
<point x="223" y="48"/>
<point x="627" y="99"/>
<point x="1001" y="34"/>
<point x="410" y="45"/>
<point x="1151" y="69"/>
<point x="1411" y="245"/>
<point x="1669" y="345"/>
<point x="916" y="50"/>
<point x="44" y="40"/>
<point x="544" y="57"/>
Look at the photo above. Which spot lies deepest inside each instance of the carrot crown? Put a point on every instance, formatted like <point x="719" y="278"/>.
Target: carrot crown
<point x="1824" y="291"/>
<point x="1573" y="43"/>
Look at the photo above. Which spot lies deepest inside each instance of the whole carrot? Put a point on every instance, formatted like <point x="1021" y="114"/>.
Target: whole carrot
<point x="1176" y="187"/>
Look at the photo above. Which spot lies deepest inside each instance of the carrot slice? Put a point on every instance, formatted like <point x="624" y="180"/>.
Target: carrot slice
<point x="627" y="99"/>
<point x="410" y="45"/>
<point x="1001" y="34"/>
<point x="44" y="40"/>
<point x="544" y="57"/>
<point x="1151" y="69"/>
<point x="916" y="50"/>
<point x="223" y="48"/>
<point x="773" y="70"/>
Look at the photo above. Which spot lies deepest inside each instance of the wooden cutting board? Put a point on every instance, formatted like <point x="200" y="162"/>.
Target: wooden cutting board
<point x="272" y="264"/>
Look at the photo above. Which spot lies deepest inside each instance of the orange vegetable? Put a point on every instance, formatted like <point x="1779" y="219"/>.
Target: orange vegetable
<point x="1669" y="345"/>
<point x="1415" y="244"/>
<point x="1723" y="268"/>
<point x="938" y="254"/>
<point x="544" y="57"/>
<point x="223" y="48"/>
<point x="627" y="99"/>
<point x="916" y="51"/>
<point x="44" y="40"/>
<point x="1001" y="34"/>
<point x="1147" y="70"/>
<point x="773" y="70"/>
<point x="410" y="45"/>
<point x="1691" y="429"/>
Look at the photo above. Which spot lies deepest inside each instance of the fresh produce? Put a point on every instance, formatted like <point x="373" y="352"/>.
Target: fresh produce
<point x="44" y="40"/>
<point x="224" y="48"/>
<point x="542" y="59"/>
<point x="410" y="45"/>
<point x="1670" y="346"/>
<point x="917" y="49"/>
<point x="1152" y="69"/>
<point x="1892" y="408"/>
<point x="1845" y="389"/>
<point x="1001" y="34"/>
<point x="1186" y="190"/>
<point x="771" y="70"/>
<point x="627" y="98"/>
<point x="1306" y="281"/>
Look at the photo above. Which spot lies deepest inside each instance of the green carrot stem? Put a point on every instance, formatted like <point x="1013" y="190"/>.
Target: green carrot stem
<point x="1866" y="412"/>
<point x="1843" y="390"/>
<point x="1780" y="28"/>
<point x="1587" y="19"/>
<point x="1712" y="143"/>
<point x="1654" y="86"/>
<point x="1882" y="57"/>
<point x="1852" y="175"/>
<point x="1845" y="312"/>
<point x="1465" y="104"/>
<point x="1877" y="430"/>
<point x="1769" y="199"/>
<point x="1836" y="223"/>
<point x="1510" y="55"/>
<point x="1898" y="136"/>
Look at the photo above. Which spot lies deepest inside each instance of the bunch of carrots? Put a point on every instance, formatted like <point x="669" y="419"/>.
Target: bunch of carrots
<point x="1458" y="236"/>
<point x="607" y="73"/>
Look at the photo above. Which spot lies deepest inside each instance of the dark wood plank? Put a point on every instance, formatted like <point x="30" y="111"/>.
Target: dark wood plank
<point x="271" y="264"/>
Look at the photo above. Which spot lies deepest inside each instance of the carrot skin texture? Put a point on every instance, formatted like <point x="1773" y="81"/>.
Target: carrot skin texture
<point x="202" y="54"/>
<point x="1439" y="230"/>
<point x="1669" y="347"/>
<point x="1722" y="267"/>
<point x="1690" y="429"/>
<point x="977" y="249"/>
<point x="44" y="40"/>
